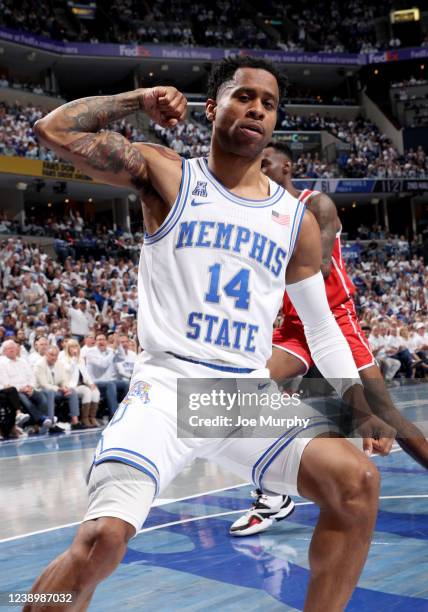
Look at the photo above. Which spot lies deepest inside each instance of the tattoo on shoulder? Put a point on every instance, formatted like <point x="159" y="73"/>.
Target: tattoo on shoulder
<point x="109" y="152"/>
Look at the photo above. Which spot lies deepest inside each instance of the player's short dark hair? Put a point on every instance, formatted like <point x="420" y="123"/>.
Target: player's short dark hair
<point x="224" y="71"/>
<point x="283" y="148"/>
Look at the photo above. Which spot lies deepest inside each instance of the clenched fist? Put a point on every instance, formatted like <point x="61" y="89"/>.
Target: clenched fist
<point x="164" y="105"/>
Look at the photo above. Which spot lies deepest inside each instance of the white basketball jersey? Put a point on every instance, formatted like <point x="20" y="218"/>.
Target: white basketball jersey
<point x="212" y="277"/>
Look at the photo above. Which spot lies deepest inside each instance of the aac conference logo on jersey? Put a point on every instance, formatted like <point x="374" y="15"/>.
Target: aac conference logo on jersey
<point x="200" y="189"/>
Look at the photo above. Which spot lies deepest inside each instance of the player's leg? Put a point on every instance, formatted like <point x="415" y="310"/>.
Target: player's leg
<point x="137" y="449"/>
<point x="334" y="474"/>
<point x="409" y="436"/>
<point x="344" y="483"/>
<point x="120" y="497"/>
<point x="266" y="510"/>
<point x="284" y="364"/>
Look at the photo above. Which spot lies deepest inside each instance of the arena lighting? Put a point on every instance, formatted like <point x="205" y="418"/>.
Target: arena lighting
<point x="164" y="67"/>
<point x="132" y="197"/>
<point x="376" y="71"/>
<point x="412" y="14"/>
<point x="196" y="68"/>
<point x="21" y="186"/>
<point x="49" y="204"/>
<point x="375" y="201"/>
<point x="151" y="74"/>
<point x="354" y="205"/>
<point x="66" y="200"/>
<point x="422" y="66"/>
<point x="89" y="199"/>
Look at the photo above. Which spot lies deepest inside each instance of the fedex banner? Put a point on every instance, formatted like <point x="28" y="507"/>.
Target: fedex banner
<point x="204" y="53"/>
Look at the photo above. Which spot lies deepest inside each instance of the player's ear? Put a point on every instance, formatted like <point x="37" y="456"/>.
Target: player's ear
<point x="286" y="167"/>
<point x="210" y="109"/>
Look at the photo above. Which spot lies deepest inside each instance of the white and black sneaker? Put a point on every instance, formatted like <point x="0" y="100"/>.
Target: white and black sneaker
<point x="265" y="511"/>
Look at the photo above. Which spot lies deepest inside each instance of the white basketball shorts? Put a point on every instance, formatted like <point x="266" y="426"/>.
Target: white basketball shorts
<point x="143" y="433"/>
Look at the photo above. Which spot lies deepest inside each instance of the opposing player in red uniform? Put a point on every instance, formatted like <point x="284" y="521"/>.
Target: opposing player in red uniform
<point x="291" y="356"/>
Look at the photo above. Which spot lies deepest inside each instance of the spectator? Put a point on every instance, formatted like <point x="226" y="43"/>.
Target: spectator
<point x="33" y="294"/>
<point x="127" y="358"/>
<point x="101" y="363"/>
<point x="77" y="378"/>
<point x="80" y="320"/>
<point x="51" y="380"/>
<point x="388" y="365"/>
<point x="17" y="373"/>
<point x="10" y="407"/>
<point x="88" y="343"/>
<point x="41" y="346"/>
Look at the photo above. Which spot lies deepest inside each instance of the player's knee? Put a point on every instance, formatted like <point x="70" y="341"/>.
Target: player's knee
<point x="111" y="538"/>
<point x="102" y="546"/>
<point x="357" y="487"/>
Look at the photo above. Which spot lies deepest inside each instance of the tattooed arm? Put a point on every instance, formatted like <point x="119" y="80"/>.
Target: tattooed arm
<point x="324" y="210"/>
<point x="73" y="132"/>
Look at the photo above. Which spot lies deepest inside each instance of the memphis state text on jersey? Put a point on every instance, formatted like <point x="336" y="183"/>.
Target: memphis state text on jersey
<point x="212" y="277"/>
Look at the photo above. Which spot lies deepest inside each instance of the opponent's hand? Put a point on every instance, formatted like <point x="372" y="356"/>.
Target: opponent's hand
<point x="164" y="105"/>
<point x="378" y="436"/>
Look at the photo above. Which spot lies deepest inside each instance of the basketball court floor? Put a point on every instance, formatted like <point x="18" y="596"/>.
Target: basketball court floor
<point x="184" y="558"/>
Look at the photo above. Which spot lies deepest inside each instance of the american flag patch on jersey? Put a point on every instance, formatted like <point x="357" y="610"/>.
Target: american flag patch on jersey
<point x="281" y="219"/>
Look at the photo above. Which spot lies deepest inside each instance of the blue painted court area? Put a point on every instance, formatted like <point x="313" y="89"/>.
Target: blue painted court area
<point x="183" y="561"/>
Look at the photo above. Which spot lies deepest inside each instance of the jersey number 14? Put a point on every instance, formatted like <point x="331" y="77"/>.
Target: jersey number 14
<point x="236" y="288"/>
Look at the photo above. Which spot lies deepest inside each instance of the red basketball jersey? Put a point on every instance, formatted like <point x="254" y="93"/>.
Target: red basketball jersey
<point x="338" y="285"/>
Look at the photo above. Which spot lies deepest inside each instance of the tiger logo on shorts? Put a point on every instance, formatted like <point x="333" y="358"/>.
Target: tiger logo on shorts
<point x="140" y="391"/>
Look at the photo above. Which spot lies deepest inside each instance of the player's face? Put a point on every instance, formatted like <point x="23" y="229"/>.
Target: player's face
<point x="275" y="164"/>
<point x="245" y="113"/>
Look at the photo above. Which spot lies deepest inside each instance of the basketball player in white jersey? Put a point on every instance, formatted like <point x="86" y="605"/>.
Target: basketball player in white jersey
<point x="291" y="356"/>
<point x="222" y="240"/>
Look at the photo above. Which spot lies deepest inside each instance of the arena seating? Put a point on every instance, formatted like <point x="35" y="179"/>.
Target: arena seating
<point x="339" y="27"/>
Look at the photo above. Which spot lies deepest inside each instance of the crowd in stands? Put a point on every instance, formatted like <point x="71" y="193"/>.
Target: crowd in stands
<point x="366" y="152"/>
<point x="68" y="331"/>
<point x="17" y="136"/>
<point x="369" y="152"/>
<point x="338" y="27"/>
<point x="409" y="105"/>
<point x="392" y="299"/>
<point x="21" y="85"/>
<point x="34" y="16"/>
<point x="410" y="82"/>
<point x="75" y="237"/>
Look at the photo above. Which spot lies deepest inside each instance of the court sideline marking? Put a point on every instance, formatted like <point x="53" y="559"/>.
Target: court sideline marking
<point x="164" y="502"/>
<point x="194" y="518"/>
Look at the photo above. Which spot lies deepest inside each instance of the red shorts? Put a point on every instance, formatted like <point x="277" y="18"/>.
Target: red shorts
<point x="291" y="337"/>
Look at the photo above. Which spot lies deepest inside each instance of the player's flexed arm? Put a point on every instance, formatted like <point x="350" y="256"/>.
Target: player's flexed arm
<point x="329" y="349"/>
<point x="77" y="132"/>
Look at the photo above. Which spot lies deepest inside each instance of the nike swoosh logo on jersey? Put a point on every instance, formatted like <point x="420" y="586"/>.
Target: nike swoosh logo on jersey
<point x="198" y="203"/>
